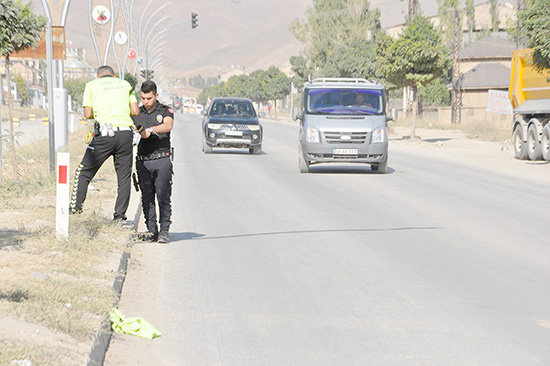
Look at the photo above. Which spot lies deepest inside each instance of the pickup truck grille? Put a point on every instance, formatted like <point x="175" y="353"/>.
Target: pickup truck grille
<point x="235" y="127"/>
<point x="353" y="137"/>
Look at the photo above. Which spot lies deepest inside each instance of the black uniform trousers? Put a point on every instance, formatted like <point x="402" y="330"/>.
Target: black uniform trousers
<point x="155" y="179"/>
<point x="100" y="149"/>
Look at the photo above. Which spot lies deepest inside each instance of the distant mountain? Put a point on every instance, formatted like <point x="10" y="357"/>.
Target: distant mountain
<point x="244" y="34"/>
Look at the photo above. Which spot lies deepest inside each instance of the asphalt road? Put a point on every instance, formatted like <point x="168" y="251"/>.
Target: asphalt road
<point x="434" y="263"/>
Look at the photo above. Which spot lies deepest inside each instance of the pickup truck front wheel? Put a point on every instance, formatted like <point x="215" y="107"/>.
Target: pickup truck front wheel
<point x="207" y="149"/>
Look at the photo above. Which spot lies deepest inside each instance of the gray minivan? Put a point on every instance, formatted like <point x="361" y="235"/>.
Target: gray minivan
<point x="343" y="120"/>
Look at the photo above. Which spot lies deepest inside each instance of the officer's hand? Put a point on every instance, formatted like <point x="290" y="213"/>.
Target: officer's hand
<point x="136" y="138"/>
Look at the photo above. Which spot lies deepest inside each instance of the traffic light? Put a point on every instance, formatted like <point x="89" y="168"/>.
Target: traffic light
<point x="150" y="74"/>
<point x="194" y="20"/>
<point x="143" y="73"/>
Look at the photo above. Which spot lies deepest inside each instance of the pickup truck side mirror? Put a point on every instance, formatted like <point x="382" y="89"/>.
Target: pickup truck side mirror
<point x="393" y="115"/>
<point x="203" y="112"/>
<point x="261" y="114"/>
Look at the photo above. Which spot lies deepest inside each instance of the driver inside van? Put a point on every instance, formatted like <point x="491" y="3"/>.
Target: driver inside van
<point x="360" y="101"/>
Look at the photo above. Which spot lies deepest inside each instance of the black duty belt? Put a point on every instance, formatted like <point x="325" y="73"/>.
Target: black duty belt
<point x="153" y="156"/>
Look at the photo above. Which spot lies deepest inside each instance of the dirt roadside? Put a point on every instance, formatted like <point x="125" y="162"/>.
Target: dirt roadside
<point x="447" y="145"/>
<point x="55" y="293"/>
<point x="456" y="146"/>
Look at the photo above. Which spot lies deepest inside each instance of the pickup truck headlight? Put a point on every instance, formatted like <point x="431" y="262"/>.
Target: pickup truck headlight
<point x="312" y="135"/>
<point x="213" y="126"/>
<point x="379" y="135"/>
<point x="254" y="127"/>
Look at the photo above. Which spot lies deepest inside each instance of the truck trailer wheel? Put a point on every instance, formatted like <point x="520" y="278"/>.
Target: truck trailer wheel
<point x="520" y="147"/>
<point x="533" y="143"/>
<point x="545" y="142"/>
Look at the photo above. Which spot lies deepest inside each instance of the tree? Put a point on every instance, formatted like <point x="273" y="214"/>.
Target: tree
<point x="435" y="93"/>
<point x="495" y="21"/>
<point x="20" y="29"/>
<point x="75" y="88"/>
<point x="535" y="19"/>
<point x="355" y="59"/>
<point x="22" y="89"/>
<point x="414" y="59"/>
<point x="277" y="86"/>
<point x="333" y="27"/>
<point x="131" y="79"/>
<point x="301" y="71"/>
<point x="470" y="19"/>
<point x="446" y="11"/>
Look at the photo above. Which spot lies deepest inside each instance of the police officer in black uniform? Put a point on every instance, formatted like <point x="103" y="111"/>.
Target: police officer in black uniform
<point x="154" y="163"/>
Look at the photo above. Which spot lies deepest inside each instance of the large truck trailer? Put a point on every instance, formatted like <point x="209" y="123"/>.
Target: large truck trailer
<point x="530" y="95"/>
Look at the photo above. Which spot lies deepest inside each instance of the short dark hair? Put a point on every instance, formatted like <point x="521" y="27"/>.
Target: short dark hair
<point x="105" y="70"/>
<point x="149" y="86"/>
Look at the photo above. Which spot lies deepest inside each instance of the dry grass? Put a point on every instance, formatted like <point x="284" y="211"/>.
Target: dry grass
<point x="59" y="283"/>
<point x="19" y="351"/>
<point x="476" y="129"/>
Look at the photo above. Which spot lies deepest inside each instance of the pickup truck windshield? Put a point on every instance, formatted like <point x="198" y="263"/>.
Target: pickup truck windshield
<point x="344" y="101"/>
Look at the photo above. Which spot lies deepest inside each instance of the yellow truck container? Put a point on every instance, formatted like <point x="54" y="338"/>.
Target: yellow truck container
<point x="530" y="96"/>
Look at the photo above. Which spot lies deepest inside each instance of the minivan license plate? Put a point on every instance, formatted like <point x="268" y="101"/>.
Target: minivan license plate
<point x="344" y="151"/>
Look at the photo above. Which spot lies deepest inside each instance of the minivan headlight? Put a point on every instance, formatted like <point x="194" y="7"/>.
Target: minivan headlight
<point x="312" y="134"/>
<point x="379" y="135"/>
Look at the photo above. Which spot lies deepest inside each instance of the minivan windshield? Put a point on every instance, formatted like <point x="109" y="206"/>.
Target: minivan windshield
<point x="344" y="101"/>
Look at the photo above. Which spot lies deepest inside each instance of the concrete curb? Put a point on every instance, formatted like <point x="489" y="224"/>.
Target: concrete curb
<point x="102" y="339"/>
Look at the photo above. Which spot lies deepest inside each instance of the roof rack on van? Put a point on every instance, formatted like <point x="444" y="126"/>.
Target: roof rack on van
<point x="343" y="80"/>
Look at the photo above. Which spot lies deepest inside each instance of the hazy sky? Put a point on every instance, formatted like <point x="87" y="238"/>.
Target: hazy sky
<point x="247" y="34"/>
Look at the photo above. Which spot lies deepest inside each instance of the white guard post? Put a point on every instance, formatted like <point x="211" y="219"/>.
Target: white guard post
<point x="62" y="206"/>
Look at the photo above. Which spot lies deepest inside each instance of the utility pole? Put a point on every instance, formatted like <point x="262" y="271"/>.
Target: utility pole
<point x="407" y="91"/>
<point x="413" y="4"/>
<point x="518" y="28"/>
<point x="455" y="94"/>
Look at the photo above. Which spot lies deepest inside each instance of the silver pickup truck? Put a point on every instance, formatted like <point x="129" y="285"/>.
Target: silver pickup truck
<point x="343" y="120"/>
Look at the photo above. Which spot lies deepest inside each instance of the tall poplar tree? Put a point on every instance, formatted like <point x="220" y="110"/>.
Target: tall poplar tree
<point x="334" y="32"/>
<point x="20" y="29"/>
<point x="535" y="20"/>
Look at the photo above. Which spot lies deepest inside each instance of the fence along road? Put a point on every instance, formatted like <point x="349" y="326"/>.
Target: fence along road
<point x="434" y="263"/>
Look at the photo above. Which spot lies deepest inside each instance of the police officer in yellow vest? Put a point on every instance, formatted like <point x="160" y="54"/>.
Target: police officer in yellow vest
<point x="111" y="102"/>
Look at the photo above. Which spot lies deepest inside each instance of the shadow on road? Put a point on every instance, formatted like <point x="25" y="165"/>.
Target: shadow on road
<point x="360" y="169"/>
<point x="228" y="151"/>
<point x="193" y="236"/>
<point x="184" y="236"/>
